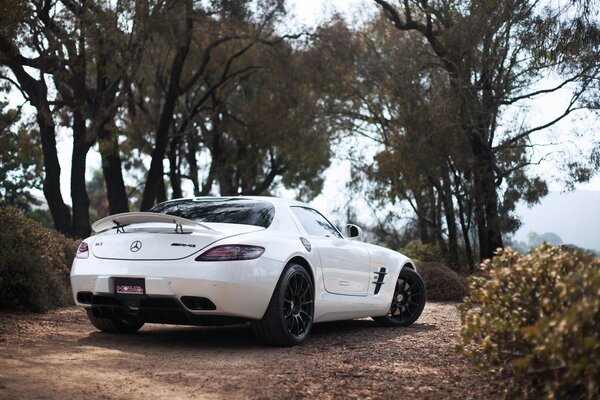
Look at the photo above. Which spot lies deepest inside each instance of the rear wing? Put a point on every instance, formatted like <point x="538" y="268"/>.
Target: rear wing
<point x="120" y="221"/>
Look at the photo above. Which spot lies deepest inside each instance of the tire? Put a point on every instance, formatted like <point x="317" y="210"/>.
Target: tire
<point x="408" y="301"/>
<point x="289" y="316"/>
<point x="113" y="325"/>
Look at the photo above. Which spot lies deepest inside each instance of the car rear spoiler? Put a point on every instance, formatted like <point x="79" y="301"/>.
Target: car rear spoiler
<point x="120" y="221"/>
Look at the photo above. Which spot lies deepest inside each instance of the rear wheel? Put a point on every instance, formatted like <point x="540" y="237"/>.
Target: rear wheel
<point x="289" y="316"/>
<point x="113" y="325"/>
<point x="408" y="302"/>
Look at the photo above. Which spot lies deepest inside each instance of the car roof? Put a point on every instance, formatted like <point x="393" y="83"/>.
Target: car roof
<point x="269" y="199"/>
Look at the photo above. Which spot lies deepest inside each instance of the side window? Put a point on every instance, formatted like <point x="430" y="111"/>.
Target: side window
<point x="314" y="223"/>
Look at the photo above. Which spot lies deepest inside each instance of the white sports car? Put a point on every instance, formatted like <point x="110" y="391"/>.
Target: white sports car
<point x="276" y="263"/>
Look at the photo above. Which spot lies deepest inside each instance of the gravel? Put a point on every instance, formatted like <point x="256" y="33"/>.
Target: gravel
<point x="59" y="355"/>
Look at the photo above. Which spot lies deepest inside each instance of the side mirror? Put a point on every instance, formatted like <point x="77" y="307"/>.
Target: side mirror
<point x="353" y="231"/>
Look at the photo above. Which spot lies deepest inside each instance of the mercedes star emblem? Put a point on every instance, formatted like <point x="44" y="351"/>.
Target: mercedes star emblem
<point x="135" y="246"/>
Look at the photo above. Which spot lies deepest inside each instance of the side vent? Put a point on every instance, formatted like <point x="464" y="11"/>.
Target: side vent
<point x="379" y="277"/>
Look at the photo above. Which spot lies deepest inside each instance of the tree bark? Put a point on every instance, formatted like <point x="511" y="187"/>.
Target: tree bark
<point x="191" y="150"/>
<point x="79" y="196"/>
<point x="486" y="199"/>
<point x="174" y="168"/>
<point x="450" y="221"/>
<point x="465" y="233"/>
<point x="422" y="223"/>
<point x="111" y="167"/>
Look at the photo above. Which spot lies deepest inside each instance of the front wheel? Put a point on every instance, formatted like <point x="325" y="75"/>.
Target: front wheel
<point x="289" y="316"/>
<point x="408" y="301"/>
<point x="113" y="325"/>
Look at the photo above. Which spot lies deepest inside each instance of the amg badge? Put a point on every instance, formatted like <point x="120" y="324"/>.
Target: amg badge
<point x="183" y="244"/>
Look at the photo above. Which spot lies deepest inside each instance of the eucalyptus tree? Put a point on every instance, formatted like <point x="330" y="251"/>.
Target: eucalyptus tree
<point x="496" y="54"/>
<point x="195" y="34"/>
<point x="70" y="60"/>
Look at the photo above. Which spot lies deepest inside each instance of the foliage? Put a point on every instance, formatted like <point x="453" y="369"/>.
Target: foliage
<point x="536" y="239"/>
<point x="440" y="89"/>
<point x="42" y="216"/>
<point x="537" y="316"/>
<point x="19" y="167"/>
<point x="442" y="283"/>
<point x="34" y="264"/>
<point x="420" y="252"/>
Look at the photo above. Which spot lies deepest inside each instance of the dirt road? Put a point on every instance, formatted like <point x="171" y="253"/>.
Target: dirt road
<point x="60" y="356"/>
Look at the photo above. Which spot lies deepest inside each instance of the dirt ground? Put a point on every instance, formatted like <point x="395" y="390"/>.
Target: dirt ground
<point x="60" y="356"/>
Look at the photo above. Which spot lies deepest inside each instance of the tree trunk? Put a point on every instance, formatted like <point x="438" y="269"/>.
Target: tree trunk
<point x="422" y="223"/>
<point x="161" y="193"/>
<point x="113" y="175"/>
<point x="465" y="232"/>
<point x="61" y="214"/>
<point x="79" y="195"/>
<point x="38" y="96"/>
<point x="174" y="169"/>
<point x="437" y="206"/>
<point x="191" y="150"/>
<point x="450" y="222"/>
<point x="486" y="199"/>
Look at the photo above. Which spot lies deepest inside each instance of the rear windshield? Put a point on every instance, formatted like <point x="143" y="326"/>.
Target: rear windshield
<point x="230" y="211"/>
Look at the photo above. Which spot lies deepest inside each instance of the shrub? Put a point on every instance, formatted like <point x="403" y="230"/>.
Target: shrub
<point x="538" y="317"/>
<point x="34" y="264"/>
<point x="420" y="252"/>
<point x="442" y="283"/>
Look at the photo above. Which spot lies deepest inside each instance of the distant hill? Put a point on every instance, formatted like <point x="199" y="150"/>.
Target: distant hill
<point x="574" y="216"/>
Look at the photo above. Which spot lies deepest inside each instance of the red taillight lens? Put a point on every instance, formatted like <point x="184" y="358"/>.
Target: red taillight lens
<point x="231" y="253"/>
<point x="83" y="251"/>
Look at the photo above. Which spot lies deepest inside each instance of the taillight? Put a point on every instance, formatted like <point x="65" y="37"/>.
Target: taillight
<point x="231" y="253"/>
<point x="83" y="251"/>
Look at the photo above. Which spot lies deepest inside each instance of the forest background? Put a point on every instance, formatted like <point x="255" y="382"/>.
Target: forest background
<point x="437" y="106"/>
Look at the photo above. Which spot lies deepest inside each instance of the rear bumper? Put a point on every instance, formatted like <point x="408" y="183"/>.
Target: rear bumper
<point x="163" y="310"/>
<point x="237" y="289"/>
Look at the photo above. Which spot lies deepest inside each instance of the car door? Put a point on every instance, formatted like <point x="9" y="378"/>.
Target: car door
<point x="344" y="262"/>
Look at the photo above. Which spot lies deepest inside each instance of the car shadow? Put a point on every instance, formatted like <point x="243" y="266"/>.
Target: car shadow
<point x="362" y="324"/>
<point x="176" y="337"/>
<point x="240" y="337"/>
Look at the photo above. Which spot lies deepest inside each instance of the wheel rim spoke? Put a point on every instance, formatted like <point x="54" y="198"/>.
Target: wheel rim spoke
<point x="407" y="298"/>
<point x="298" y="305"/>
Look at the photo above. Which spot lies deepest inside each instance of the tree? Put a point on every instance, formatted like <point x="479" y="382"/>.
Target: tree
<point x="493" y="53"/>
<point x="35" y="90"/>
<point x="88" y="52"/>
<point x="243" y="110"/>
<point x="536" y="239"/>
<point x="19" y="170"/>
<point x="189" y="67"/>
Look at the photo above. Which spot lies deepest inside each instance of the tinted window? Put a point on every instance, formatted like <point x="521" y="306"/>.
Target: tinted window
<point x="314" y="223"/>
<point x="230" y="211"/>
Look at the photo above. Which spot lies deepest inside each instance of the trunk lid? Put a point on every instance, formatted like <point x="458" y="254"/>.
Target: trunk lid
<point x="160" y="241"/>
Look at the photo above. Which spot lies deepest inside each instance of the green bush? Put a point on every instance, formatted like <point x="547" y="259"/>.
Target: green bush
<point x="538" y="317"/>
<point x="442" y="283"/>
<point x="420" y="252"/>
<point x="34" y="264"/>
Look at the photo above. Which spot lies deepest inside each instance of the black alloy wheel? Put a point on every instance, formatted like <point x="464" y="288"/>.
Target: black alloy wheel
<point x="408" y="301"/>
<point x="298" y="305"/>
<point x="289" y="316"/>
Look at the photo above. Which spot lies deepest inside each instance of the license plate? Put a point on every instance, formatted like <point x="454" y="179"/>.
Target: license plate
<point x="130" y="286"/>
